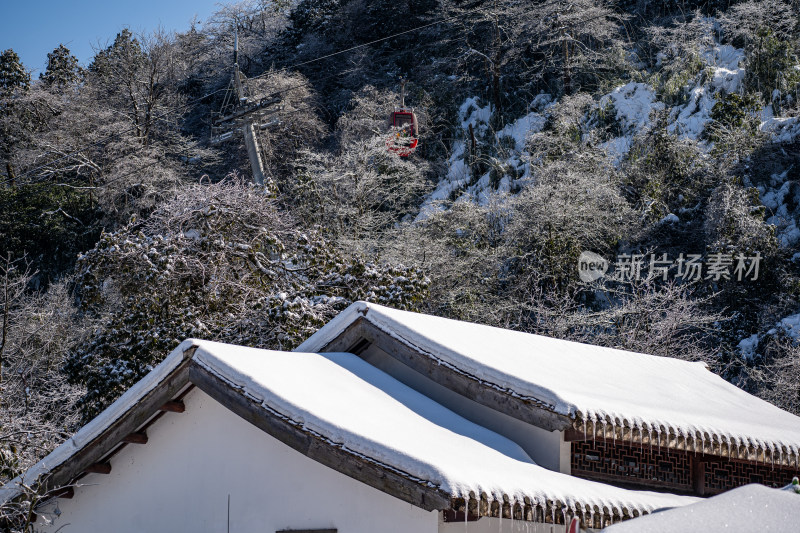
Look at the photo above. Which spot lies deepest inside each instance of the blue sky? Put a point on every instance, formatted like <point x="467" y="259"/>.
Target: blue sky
<point x="35" y="27"/>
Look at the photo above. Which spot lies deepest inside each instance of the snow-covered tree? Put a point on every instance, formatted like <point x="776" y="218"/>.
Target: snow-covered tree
<point x="62" y="68"/>
<point x="364" y="189"/>
<point x="14" y="79"/>
<point x="217" y="262"/>
<point x="13" y="76"/>
<point x="37" y="331"/>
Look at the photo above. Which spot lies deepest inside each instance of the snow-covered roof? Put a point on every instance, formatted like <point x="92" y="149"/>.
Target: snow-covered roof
<point x="742" y="510"/>
<point x="354" y="407"/>
<point x="602" y="390"/>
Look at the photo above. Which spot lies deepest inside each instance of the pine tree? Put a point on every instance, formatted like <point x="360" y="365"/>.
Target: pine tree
<point x="13" y="76"/>
<point x="62" y="68"/>
<point x="13" y="80"/>
<point x="123" y="56"/>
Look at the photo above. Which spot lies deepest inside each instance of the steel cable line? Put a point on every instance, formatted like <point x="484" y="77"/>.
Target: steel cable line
<point x="196" y="100"/>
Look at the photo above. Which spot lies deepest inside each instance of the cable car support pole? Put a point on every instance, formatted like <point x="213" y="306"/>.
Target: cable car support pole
<point x="250" y="140"/>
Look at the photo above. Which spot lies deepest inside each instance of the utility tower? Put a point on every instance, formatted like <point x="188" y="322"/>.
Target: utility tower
<point x="240" y="111"/>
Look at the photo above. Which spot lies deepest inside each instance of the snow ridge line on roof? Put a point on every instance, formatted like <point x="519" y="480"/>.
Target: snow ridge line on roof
<point x="441" y="362"/>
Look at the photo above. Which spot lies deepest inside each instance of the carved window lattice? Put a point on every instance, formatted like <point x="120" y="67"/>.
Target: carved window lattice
<point x="642" y="465"/>
<point x="631" y="463"/>
<point x="722" y="475"/>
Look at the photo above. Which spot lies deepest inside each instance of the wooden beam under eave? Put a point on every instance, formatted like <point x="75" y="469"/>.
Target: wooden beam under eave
<point x="135" y="438"/>
<point x="98" y="468"/>
<point x="133" y="419"/>
<point x="173" y="406"/>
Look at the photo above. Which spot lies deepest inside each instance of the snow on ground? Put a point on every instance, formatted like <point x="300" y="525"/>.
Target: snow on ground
<point x="479" y="188"/>
<point x="690" y="119"/>
<point x="782" y="129"/>
<point x="725" y="61"/>
<point x="634" y="104"/>
<point x="776" y="197"/>
<point x="748" y="346"/>
<point x="787" y="327"/>
<point x="603" y="385"/>
<point x="741" y="510"/>
<point x="791" y="326"/>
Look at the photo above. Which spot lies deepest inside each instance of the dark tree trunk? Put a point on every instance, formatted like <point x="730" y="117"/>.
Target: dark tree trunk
<point x="12" y="177"/>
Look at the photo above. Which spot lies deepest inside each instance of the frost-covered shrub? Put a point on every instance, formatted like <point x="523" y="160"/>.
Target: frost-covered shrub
<point x="37" y="332"/>
<point x="606" y="122"/>
<point x="774" y="374"/>
<point x="735" y="222"/>
<point x="217" y="262"/>
<point x="362" y="189"/>
<point x="731" y="110"/>
<point x="562" y="136"/>
<point x="770" y="64"/>
<point x="664" y="173"/>
<point x="675" y="48"/>
<point x="734" y="225"/>
<point x="570" y="207"/>
<point x="310" y="16"/>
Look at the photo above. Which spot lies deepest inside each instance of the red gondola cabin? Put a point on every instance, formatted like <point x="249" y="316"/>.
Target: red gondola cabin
<point x="405" y="130"/>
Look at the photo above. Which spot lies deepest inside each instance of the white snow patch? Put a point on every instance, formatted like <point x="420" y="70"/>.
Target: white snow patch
<point x="458" y="177"/>
<point x="788" y="326"/>
<point x="521" y="128"/>
<point x="782" y="129"/>
<point x="791" y="326"/>
<point x="744" y="509"/>
<point x="471" y="113"/>
<point x="725" y="60"/>
<point x="634" y="102"/>
<point x="690" y="120"/>
<point x="776" y="198"/>
<point x="617" y="148"/>
<point x="748" y="346"/>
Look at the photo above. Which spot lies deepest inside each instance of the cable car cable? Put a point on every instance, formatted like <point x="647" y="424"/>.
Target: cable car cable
<point x="196" y="100"/>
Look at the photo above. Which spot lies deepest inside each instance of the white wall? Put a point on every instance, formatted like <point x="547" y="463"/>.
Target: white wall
<point x="546" y="448"/>
<point x="180" y="480"/>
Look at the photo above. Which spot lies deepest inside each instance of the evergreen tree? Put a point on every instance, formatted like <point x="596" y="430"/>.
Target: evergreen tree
<point x="13" y="76"/>
<point x="125" y="54"/>
<point x="13" y="80"/>
<point x="62" y="68"/>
